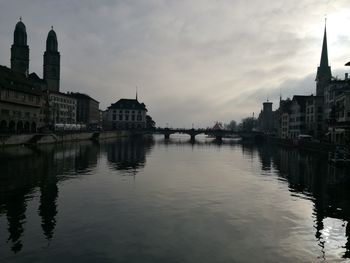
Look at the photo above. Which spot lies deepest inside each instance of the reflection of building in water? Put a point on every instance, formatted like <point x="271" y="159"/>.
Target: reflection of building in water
<point x="16" y="208"/>
<point x="265" y="155"/>
<point x="48" y="206"/>
<point x="129" y="154"/>
<point x="40" y="169"/>
<point x="311" y="175"/>
<point x="249" y="150"/>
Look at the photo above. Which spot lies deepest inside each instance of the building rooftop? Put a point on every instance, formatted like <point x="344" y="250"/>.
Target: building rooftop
<point x="128" y="104"/>
<point x="79" y="95"/>
<point x="13" y="80"/>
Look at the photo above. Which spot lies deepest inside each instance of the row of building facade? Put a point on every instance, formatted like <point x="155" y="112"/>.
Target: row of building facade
<point x="29" y="103"/>
<point x="324" y="116"/>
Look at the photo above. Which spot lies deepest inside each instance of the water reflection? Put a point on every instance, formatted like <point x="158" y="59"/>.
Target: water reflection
<point x="129" y="155"/>
<point x="310" y="175"/>
<point x="25" y="171"/>
<point x="27" y="174"/>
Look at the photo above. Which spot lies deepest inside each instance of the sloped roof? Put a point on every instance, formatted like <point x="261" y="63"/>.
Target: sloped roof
<point x="83" y="96"/>
<point x="128" y="104"/>
<point x="33" y="76"/>
<point x="217" y="126"/>
<point x="13" y="80"/>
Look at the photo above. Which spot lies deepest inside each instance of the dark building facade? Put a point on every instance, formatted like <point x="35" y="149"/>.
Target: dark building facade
<point x="324" y="74"/>
<point x="126" y="114"/>
<point x="21" y="103"/>
<point x="52" y="62"/>
<point x="20" y="49"/>
<point x="87" y="109"/>
<point x="266" y="118"/>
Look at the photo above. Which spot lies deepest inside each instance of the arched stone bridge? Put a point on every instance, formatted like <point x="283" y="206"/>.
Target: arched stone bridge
<point x="217" y="134"/>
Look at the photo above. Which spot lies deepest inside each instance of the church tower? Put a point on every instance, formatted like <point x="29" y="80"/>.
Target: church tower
<point x="52" y="62"/>
<point x="20" y="49"/>
<point x="324" y="73"/>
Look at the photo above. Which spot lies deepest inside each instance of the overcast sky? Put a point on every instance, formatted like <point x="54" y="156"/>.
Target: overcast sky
<point x="194" y="61"/>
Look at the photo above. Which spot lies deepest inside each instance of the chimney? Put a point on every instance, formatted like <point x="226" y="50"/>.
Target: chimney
<point x="346" y="76"/>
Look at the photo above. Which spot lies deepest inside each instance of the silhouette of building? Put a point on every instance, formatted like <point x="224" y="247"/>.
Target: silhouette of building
<point x="38" y="101"/>
<point x="297" y="124"/>
<point x="266" y="118"/>
<point x="21" y="103"/>
<point x="126" y="114"/>
<point x="20" y="49"/>
<point x="324" y="74"/>
<point x="62" y="108"/>
<point x="87" y="109"/>
<point x="284" y="112"/>
<point x="52" y="62"/>
<point x="314" y="116"/>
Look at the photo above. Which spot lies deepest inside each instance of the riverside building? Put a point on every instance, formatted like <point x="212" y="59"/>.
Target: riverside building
<point x="126" y="114"/>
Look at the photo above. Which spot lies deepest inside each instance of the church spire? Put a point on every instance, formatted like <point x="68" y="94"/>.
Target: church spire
<point x="52" y="62"/>
<point x="324" y="54"/>
<point x="324" y="73"/>
<point x="20" y="49"/>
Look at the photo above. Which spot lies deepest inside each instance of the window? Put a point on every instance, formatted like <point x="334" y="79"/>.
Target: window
<point x="133" y="117"/>
<point x="114" y="117"/>
<point x="120" y="117"/>
<point x="126" y="117"/>
<point x="5" y="112"/>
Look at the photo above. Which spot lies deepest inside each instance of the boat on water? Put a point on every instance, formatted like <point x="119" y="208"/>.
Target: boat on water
<point x="341" y="156"/>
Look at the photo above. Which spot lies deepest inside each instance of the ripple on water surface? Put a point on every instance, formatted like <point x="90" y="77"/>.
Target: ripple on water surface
<point x="172" y="201"/>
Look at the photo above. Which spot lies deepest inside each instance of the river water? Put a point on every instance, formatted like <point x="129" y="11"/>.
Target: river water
<point x="150" y="200"/>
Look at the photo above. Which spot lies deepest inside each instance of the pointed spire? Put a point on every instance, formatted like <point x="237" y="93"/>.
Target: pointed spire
<point x="324" y="54"/>
<point x="324" y="70"/>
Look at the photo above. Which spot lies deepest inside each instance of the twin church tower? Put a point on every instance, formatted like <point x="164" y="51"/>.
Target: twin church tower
<point x="20" y="56"/>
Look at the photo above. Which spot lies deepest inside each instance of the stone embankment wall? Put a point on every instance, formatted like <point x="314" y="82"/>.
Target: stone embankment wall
<point x="59" y="138"/>
<point x="313" y="146"/>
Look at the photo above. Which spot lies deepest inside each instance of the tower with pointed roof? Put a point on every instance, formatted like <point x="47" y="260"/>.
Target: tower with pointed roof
<point x="52" y="62"/>
<point x="20" y="49"/>
<point x="324" y="73"/>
